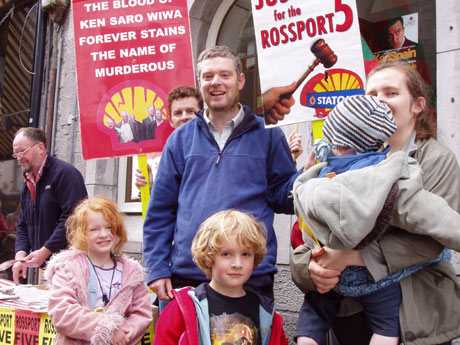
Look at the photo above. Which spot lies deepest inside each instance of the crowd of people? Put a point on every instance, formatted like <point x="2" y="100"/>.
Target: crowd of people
<point x="372" y="250"/>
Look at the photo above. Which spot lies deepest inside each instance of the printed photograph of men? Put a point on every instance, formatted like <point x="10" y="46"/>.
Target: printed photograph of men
<point x="396" y="35"/>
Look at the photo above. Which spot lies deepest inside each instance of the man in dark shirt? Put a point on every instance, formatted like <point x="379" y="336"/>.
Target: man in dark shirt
<point x="149" y="125"/>
<point x="52" y="189"/>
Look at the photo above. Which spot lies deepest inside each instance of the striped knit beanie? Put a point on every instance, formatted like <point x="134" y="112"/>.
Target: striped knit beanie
<point x="360" y="122"/>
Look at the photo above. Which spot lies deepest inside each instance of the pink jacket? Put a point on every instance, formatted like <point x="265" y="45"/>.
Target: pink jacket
<point x="67" y="274"/>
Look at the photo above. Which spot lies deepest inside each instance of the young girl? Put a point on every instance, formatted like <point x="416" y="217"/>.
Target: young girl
<point x="98" y="295"/>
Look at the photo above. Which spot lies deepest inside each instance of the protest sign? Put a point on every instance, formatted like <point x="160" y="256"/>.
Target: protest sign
<point x="147" y="339"/>
<point x="47" y="332"/>
<point x="6" y="326"/>
<point x="317" y="43"/>
<point x="27" y="327"/>
<point x="129" y="55"/>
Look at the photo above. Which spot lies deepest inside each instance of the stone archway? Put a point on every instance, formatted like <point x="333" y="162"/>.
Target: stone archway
<point x="206" y="17"/>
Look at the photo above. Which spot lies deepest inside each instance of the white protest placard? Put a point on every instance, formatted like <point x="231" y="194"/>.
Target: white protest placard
<point x="315" y="43"/>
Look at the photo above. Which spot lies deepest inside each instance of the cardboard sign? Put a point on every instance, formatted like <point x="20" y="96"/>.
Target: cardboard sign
<point x="147" y="339"/>
<point x="47" y="331"/>
<point x="317" y="43"/>
<point x="27" y="327"/>
<point x="7" y="321"/>
<point x="129" y="55"/>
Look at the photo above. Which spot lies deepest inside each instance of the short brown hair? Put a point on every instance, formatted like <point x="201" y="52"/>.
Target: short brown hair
<point x="215" y="52"/>
<point x="425" y="123"/>
<point x="77" y="223"/>
<point x="184" y="92"/>
<point x="228" y="225"/>
<point x="37" y="135"/>
<point x="393" y="21"/>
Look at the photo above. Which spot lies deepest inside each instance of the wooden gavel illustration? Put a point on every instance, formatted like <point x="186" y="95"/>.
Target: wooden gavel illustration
<point x="324" y="55"/>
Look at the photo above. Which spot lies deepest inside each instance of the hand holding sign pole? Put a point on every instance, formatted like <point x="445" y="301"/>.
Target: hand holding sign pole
<point x="145" y="190"/>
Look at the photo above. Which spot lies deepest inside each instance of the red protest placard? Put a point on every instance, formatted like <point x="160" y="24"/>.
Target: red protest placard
<point x="27" y="327"/>
<point x="129" y="55"/>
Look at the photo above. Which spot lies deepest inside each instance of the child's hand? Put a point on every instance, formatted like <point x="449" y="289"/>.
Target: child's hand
<point x="332" y="259"/>
<point x="317" y="252"/>
<point x="121" y="337"/>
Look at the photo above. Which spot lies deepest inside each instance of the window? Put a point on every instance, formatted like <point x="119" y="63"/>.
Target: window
<point x="17" y="37"/>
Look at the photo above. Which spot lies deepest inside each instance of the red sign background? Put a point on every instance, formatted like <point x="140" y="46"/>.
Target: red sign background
<point x="129" y="55"/>
<point x="27" y="327"/>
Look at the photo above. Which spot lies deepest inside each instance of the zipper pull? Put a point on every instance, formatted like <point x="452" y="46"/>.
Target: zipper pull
<point x="219" y="156"/>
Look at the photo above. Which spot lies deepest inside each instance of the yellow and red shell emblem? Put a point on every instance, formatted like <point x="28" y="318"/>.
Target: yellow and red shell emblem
<point x="325" y="90"/>
<point x="132" y="99"/>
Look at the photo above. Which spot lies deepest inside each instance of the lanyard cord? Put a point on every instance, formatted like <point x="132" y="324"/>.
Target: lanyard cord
<point x="105" y="299"/>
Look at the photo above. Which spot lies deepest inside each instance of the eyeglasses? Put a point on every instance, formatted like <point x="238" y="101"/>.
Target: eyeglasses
<point x="21" y="154"/>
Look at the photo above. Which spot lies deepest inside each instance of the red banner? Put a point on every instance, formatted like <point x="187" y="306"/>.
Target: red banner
<point x="27" y="327"/>
<point x="129" y="55"/>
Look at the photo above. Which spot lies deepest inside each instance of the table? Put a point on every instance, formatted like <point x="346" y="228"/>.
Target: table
<point x="19" y="326"/>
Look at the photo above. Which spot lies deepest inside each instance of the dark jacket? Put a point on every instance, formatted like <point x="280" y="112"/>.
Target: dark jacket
<point x="185" y="321"/>
<point x="149" y="126"/>
<point x="42" y="223"/>
<point x="137" y="129"/>
<point x="254" y="173"/>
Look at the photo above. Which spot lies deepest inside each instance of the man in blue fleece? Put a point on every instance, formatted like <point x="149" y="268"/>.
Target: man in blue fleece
<point x="224" y="158"/>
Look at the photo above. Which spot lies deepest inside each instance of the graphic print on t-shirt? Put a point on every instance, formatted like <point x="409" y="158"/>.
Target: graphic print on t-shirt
<point x="233" y="329"/>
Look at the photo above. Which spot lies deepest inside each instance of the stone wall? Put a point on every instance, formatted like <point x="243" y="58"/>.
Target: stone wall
<point x="448" y="78"/>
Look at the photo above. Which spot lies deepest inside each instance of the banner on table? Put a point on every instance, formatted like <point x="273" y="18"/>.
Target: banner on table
<point x="47" y="332"/>
<point x="147" y="339"/>
<point x="20" y="327"/>
<point x="315" y="44"/>
<point x="27" y="328"/>
<point x="129" y="55"/>
<point x="7" y="322"/>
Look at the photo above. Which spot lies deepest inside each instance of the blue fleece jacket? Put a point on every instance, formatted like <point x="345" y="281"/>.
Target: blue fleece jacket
<point x="254" y="172"/>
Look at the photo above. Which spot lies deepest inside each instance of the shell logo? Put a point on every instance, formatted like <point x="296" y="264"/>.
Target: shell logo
<point x="133" y="100"/>
<point x="325" y="90"/>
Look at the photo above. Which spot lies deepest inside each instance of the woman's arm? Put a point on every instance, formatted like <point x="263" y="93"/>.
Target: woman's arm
<point x="441" y="176"/>
<point x="339" y="259"/>
<point x="308" y="274"/>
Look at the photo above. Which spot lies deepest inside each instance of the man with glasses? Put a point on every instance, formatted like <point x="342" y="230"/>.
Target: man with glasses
<point x="52" y="189"/>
